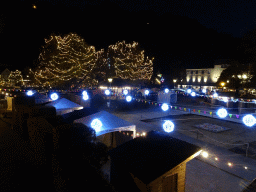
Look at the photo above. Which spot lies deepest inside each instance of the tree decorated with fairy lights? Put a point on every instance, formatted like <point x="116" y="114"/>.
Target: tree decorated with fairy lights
<point x="129" y="61"/>
<point x="64" y="61"/>
<point x="15" y="78"/>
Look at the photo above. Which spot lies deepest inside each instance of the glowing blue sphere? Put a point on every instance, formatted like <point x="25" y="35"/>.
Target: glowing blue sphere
<point x="146" y="92"/>
<point x="96" y="125"/>
<point x="54" y="96"/>
<point x="125" y="92"/>
<point x="128" y="98"/>
<point x="85" y="97"/>
<point x="189" y="91"/>
<point x="107" y="92"/>
<point x="166" y="90"/>
<point x="215" y="95"/>
<point x="165" y="107"/>
<point x="30" y="93"/>
<point x="225" y="99"/>
<point x="168" y="126"/>
<point x="249" y="120"/>
<point x="84" y="93"/>
<point x="222" y="113"/>
<point x="193" y="94"/>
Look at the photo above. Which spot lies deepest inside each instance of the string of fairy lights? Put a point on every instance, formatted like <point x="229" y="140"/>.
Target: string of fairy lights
<point x="130" y="62"/>
<point x="70" y="57"/>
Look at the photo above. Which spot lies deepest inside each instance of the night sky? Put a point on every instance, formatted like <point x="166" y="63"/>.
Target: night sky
<point x="177" y="34"/>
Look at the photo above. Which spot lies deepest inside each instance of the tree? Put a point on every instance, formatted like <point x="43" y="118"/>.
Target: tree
<point x="236" y="76"/>
<point x="65" y="61"/>
<point x="129" y="62"/>
<point x="16" y="78"/>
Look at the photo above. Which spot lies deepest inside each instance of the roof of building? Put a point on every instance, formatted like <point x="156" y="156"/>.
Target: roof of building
<point x="251" y="187"/>
<point x="150" y="157"/>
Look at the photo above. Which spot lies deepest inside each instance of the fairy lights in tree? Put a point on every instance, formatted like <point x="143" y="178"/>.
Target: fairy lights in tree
<point x="129" y="61"/>
<point x="15" y="78"/>
<point x="65" y="60"/>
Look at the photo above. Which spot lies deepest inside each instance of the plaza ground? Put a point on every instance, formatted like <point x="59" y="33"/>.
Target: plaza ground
<point x="202" y="174"/>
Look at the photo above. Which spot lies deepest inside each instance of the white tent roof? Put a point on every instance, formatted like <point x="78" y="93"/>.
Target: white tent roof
<point x="110" y="123"/>
<point x="63" y="103"/>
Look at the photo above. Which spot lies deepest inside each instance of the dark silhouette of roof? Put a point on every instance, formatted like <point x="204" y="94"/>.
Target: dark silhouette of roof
<point x="150" y="157"/>
<point x="251" y="187"/>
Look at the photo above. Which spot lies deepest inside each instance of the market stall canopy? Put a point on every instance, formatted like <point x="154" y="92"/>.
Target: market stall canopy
<point x="64" y="106"/>
<point x="110" y="123"/>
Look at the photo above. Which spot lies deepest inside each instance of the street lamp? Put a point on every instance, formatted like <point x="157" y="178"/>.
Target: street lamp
<point x="110" y="81"/>
<point x="222" y="84"/>
<point x="174" y="81"/>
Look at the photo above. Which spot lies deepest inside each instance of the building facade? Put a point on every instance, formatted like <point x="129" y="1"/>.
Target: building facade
<point x="203" y="78"/>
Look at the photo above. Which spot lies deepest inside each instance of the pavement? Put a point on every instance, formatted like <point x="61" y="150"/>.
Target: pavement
<point x="203" y="174"/>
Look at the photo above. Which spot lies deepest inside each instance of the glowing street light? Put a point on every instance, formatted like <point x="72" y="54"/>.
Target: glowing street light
<point x="125" y="92"/>
<point x="222" y="113"/>
<point x="193" y="94"/>
<point x="225" y="99"/>
<point x="249" y="120"/>
<point x="30" y="93"/>
<point x="168" y="126"/>
<point x="215" y="95"/>
<point x="96" y="125"/>
<point x="146" y="92"/>
<point x="54" y="96"/>
<point x="128" y="98"/>
<point x="205" y="154"/>
<point x="107" y="92"/>
<point x="174" y="81"/>
<point x="166" y="90"/>
<point x="165" y="107"/>
<point x="204" y="90"/>
<point x="85" y="97"/>
<point x="84" y="93"/>
<point x="188" y="91"/>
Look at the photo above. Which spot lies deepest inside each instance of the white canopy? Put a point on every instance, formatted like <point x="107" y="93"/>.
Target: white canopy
<point x="110" y="123"/>
<point x="63" y="106"/>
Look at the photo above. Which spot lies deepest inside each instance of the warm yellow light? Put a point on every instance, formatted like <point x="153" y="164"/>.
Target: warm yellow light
<point x="222" y="84"/>
<point x="143" y="134"/>
<point x="216" y="158"/>
<point x="110" y="80"/>
<point x="245" y="167"/>
<point x="197" y="153"/>
<point x="205" y="154"/>
<point x="229" y="164"/>
<point x="244" y="76"/>
<point x="174" y="80"/>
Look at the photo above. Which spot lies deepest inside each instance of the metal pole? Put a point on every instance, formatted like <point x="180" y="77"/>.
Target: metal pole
<point x="247" y="149"/>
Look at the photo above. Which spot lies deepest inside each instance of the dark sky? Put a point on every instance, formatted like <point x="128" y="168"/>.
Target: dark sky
<point x="177" y="33"/>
